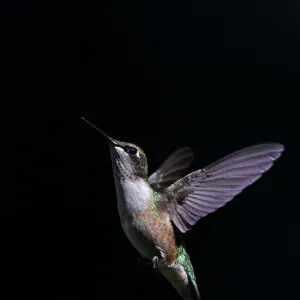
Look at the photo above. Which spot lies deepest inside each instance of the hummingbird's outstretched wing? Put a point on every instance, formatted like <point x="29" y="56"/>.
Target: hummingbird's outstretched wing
<point x="204" y="191"/>
<point x="172" y="168"/>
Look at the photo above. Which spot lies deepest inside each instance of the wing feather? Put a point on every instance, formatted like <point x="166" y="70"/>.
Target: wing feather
<point x="172" y="168"/>
<point x="206" y="190"/>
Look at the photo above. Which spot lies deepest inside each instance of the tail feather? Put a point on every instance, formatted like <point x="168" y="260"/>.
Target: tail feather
<point x="195" y="290"/>
<point x="182" y="280"/>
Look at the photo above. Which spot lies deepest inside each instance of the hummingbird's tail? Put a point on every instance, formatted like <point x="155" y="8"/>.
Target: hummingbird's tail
<point x="182" y="280"/>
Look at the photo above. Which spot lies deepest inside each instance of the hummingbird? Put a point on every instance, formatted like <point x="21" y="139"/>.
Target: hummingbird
<point x="156" y="210"/>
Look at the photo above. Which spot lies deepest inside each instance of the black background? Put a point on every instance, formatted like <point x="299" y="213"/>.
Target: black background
<point x="212" y="75"/>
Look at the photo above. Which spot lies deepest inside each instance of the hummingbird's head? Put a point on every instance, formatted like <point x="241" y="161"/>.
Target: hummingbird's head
<point x="128" y="160"/>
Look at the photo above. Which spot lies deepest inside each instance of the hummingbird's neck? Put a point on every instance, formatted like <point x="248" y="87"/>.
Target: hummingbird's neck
<point x="134" y="196"/>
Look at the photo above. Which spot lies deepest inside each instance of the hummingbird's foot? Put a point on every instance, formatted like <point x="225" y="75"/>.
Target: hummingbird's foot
<point x="155" y="261"/>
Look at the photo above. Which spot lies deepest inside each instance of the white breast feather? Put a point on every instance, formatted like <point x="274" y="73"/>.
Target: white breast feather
<point x="134" y="196"/>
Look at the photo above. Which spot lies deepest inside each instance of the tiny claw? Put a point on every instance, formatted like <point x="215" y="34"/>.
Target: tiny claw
<point x="155" y="262"/>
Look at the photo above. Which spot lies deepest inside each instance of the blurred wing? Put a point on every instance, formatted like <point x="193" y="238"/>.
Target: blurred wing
<point x="172" y="168"/>
<point x="206" y="190"/>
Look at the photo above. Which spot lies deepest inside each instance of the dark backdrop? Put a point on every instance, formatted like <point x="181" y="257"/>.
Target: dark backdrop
<point x="212" y="75"/>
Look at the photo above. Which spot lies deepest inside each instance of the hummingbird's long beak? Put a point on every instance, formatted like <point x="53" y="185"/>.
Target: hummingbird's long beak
<point x="110" y="140"/>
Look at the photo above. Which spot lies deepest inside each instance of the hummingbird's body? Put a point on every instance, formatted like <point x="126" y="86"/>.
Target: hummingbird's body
<point x="140" y="222"/>
<point x="155" y="211"/>
<point x="149" y="229"/>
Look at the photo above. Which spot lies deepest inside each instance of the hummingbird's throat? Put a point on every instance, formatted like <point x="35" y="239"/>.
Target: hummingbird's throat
<point x="121" y="168"/>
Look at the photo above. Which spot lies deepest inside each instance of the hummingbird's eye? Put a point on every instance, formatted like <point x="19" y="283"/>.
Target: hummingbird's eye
<point x="130" y="150"/>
